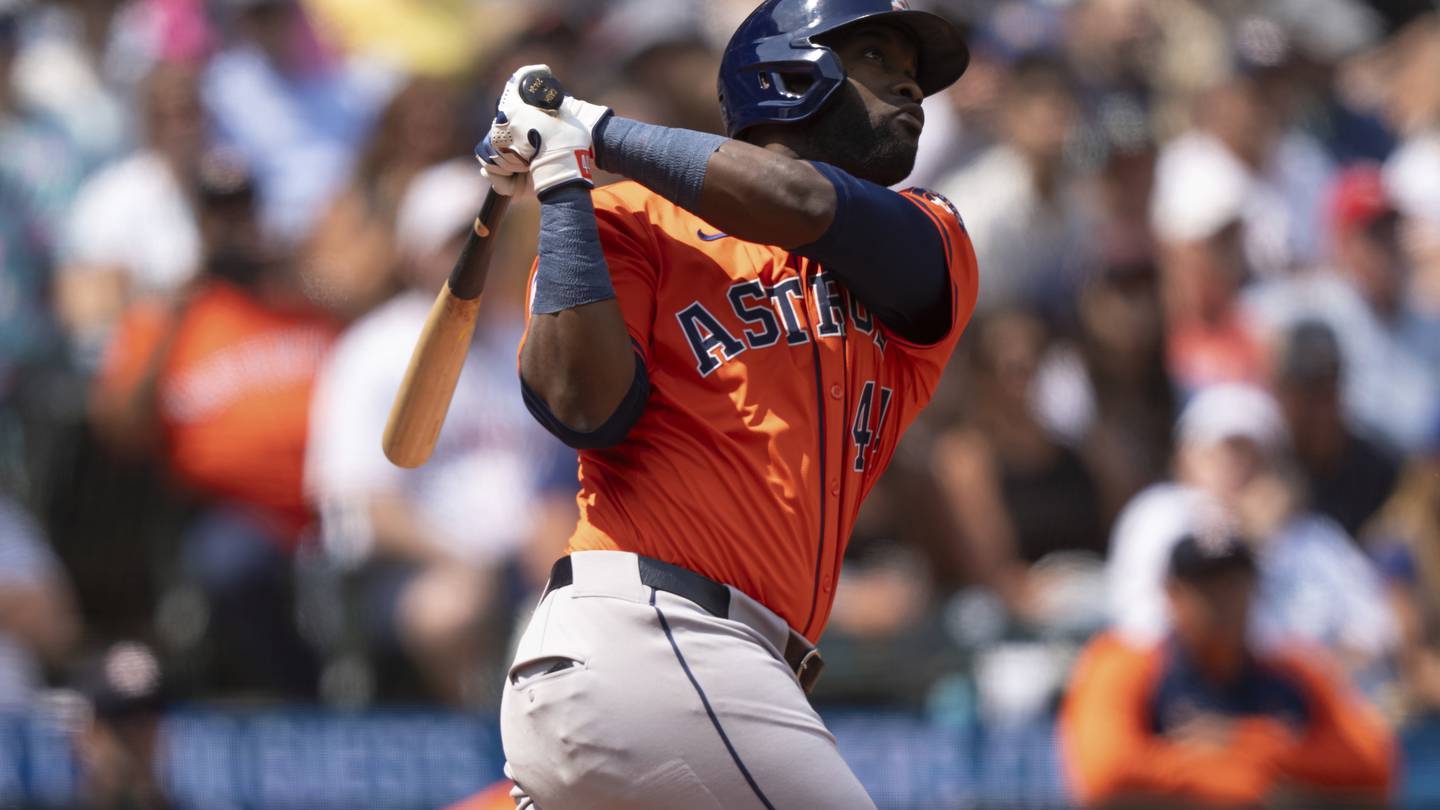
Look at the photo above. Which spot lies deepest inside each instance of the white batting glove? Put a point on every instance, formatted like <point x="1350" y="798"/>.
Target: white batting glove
<point x="558" y="144"/>
<point x="507" y="172"/>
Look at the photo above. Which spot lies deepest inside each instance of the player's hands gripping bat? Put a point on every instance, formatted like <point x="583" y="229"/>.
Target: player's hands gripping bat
<point x="553" y="145"/>
<point x="420" y="405"/>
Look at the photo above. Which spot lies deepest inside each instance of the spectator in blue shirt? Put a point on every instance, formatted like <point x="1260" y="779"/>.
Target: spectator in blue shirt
<point x="296" y="115"/>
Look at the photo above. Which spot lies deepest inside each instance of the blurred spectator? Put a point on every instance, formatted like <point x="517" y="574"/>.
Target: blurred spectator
<point x="81" y="64"/>
<point x="1021" y="206"/>
<point x="36" y="157"/>
<point x="1406" y="539"/>
<point x="961" y="122"/>
<point x="1018" y="495"/>
<point x="1412" y="107"/>
<point x="1110" y="394"/>
<point x="1391" y="351"/>
<point x="1199" y="195"/>
<point x="132" y="233"/>
<point x="219" y="381"/>
<point x="119" y="745"/>
<point x="348" y="262"/>
<point x="884" y="610"/>
<point x="1347" y="475"/>
<point x="667" y="68"/>
<point x="38" y="624"/>
<point x="296" y="114"/>
<point x="39" y="171"/>
<point x="1232" y="468"/>
<point x="1277" y="173"/>
<point x="436" y="541"/>
<point x="1203" y="718"/>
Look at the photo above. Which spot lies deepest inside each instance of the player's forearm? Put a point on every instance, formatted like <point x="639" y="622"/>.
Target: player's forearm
<point x="748" y="192"/>
<point x="578" y="364"/>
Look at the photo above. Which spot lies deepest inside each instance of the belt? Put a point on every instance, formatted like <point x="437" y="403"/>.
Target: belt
<point x="712" y="597"/>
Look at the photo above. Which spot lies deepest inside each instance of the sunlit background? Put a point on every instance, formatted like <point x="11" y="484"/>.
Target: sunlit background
<point x="222" y="223"/>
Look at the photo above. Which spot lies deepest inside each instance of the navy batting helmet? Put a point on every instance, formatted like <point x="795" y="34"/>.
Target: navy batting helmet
<point x="774" y="71"/>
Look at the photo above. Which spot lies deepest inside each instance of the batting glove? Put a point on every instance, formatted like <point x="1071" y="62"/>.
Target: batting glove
<point x="507" y="172"/>
<point x="558" y="145"/>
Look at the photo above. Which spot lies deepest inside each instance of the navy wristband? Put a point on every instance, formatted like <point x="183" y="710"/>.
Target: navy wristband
<point x="572" y="271"/>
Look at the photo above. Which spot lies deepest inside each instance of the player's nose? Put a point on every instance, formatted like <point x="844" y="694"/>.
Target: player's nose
<point x="908" y="88"/>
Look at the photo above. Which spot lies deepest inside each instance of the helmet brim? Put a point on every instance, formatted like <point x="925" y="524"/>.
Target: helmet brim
<point x="943" y="54"/>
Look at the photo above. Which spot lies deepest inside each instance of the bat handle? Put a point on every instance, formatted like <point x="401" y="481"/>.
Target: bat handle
<point x="467" y="279"/>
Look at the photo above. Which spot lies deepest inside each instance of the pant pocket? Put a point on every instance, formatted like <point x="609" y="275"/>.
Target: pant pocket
<point x="543" y="668"/>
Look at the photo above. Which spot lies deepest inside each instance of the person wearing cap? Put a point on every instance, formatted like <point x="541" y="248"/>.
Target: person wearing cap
<point x="1234" y="466"/>
<point x="1391" y="351"/>
<point x="1348" y="474"/>
<point x="217" y="383"/>
<point x="431" y="545"/>
<point x="1202" y="717"/>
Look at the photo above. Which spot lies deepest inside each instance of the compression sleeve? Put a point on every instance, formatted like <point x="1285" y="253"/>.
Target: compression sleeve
<point x="888" y="253"/>
<point x="671" y="162"/>
<point x="572" y="270"/>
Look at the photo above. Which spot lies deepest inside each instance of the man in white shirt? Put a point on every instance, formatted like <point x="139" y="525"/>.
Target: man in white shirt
<point x="433" y="541"/>
<point x="132" y="232"/>
<point x="1316" y="587"/>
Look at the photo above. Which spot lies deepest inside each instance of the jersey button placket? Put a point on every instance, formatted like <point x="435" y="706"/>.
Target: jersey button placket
<point x="837" y="391"/>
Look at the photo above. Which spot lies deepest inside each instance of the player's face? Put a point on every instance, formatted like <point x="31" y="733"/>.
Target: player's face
<point x="872" y="127"/>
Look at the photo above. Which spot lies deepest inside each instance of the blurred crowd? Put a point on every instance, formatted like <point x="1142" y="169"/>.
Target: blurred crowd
<point x="1209" y="242"/>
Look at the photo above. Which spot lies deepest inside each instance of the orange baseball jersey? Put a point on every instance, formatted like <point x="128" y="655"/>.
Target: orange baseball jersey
<point x="1296" y="725"/>
<point x="776" y="401"/>
<point x="234" y="395"/>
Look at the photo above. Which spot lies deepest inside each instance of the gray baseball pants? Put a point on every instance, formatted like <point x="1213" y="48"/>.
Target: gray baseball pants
<point x="623" y="696"/>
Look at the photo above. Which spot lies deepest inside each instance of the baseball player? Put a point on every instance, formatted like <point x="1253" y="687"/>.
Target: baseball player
<point x="735" y="341"/>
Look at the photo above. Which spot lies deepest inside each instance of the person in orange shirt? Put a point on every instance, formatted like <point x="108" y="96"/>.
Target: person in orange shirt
<point x="1202" y="720"/>
<point x="217" y="382"/>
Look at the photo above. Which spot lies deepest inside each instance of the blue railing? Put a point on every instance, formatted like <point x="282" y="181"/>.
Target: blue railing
<point x="299" y="758"/>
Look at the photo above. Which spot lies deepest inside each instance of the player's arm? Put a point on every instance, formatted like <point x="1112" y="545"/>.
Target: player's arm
<point x="882" y="246"/>
<point x="582" y="377"/>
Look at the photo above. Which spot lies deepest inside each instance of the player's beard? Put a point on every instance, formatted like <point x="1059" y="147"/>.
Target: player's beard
<point x="844" y="135"/>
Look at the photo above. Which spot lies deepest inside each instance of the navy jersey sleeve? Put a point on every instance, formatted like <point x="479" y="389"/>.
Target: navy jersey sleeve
<point x="889" y="254"/>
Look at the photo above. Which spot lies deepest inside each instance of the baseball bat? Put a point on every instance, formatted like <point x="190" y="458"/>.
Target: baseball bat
<point x="424" y="397"/>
